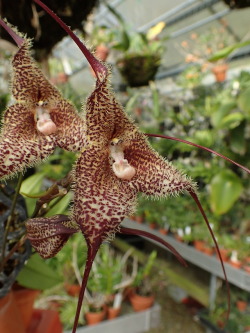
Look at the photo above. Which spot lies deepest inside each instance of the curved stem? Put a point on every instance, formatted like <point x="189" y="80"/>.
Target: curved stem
<point x="198" y="146"/>
<point x="138" y="232"/>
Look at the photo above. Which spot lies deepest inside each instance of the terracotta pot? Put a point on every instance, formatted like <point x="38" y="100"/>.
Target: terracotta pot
<point x="152" y="225"/>
<point x="241" y="305"/>
<point x="10" y="317"/>
<point x="45" y="321"/>
<point x="25" y="299"/>
<point x="224" y="254"/>
<point x="208" y="250"/>
<point x="220" y="72"/>
<point x="102" y="52"/>
<point x="236" y="264"/>
<point x="113" y="312"/>
<point x="140" y="303"/>
<point x="163" y="231"/>
<point x="199" y="245"/>
<point x="128" y="292"/>
<point x="93" y="318"/>
<point x="139" y="218"/>
<point x="73" y="289"/>
<point x="247" y="268"/>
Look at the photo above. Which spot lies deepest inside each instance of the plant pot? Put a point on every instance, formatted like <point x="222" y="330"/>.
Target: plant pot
<point x="152" y="225"/>
<point x="235" y="263"/>
<point x="247" y="268"/>
<point x="45" y="321"/>
<point x="10" y="317"/>
<point x="138" y="70"/>
<point x="199" y="245"/>
<point x="102" y="52"/>
<point x="25" y="299"/>
<point x="113" y="312"/>
<point x="93" y="318"/>
<point x="163" y="231"/>
<point x="139" y="218"/>
<point x="241" y="305"/>
<point x="220" y="72"/>
<point x="208" y="250"/>
<point x="140" y="303"/>
<point x="224" y="254"/>
<point x="73" y="289"/>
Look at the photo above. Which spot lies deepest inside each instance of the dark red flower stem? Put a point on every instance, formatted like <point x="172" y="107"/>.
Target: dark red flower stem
<point x="197" y="201"/>
<point x="198" y="146"/>
<point x="91" y="254"/>
<point x="137" y="232"/>
<point x="97" y="66"/>
<point x="18" y="40"/>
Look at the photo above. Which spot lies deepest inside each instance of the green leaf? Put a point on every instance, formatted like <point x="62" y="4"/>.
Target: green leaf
<point x="244" y="101"/>
<point x="204" y="137"/>
<point x="226" y="188"/>
<point x="36" y="274"/>
<point x="32" y="185"/>
<point x="227" y="50"/>
<point x="218" y="115"/>
<point x="232" y="120"/>
<point x="61" y="206"/>
<point x="237" y="140"/>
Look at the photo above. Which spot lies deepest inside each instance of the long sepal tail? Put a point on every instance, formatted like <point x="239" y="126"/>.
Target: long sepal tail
<point x="99" y="69"/>
<point x="18" y="40"/>
<point x="138" y="232"/>
<point x="198" y="146"/>
<point x="91" y="254"/>
<point x="197" y="201"/>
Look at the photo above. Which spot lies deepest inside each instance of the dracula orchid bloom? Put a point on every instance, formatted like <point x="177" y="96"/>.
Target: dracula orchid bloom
<point x="115" y="163"/>
<point x="39" y="120"/>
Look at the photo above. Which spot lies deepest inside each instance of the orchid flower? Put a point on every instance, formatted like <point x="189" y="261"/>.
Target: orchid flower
<point x="39" y="120"/>
<point x="115" y="163"/>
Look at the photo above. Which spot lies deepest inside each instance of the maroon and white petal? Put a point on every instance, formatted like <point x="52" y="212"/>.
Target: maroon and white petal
<point x="49" y="234"/>
<point x="20" y="143"/>
<point x="71" y="131"/>
<point x="101" y="200"/>
<point x="154" y="175"/>
<point x="29" y="83"/>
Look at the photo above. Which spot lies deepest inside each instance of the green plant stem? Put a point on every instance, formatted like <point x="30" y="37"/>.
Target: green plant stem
<point x="11" y="216"/>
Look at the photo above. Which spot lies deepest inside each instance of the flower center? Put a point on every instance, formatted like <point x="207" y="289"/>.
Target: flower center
<point x="44" y="124"/>
<point x="121" y="167"/>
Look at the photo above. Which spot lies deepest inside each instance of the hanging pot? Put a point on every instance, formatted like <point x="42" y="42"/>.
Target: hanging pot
<point x="220" y="72"/>
<point x="138" y="70"/>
